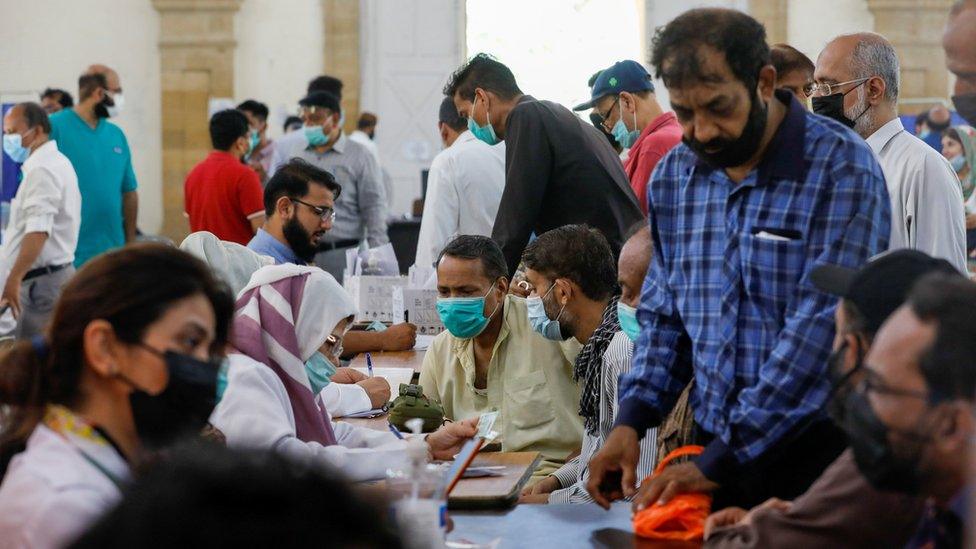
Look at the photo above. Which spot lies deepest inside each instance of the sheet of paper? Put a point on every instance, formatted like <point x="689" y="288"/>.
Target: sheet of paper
<point x="368" y="413"/>
<point x="423" y="342"/>
<point x="397" y="305"/>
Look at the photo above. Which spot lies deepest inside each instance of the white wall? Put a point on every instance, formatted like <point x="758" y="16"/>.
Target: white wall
<point x="51" y="42"/>
<point x="408" y="48"/>
<point x="279" y="49"/>
<point x="810" y="25"/>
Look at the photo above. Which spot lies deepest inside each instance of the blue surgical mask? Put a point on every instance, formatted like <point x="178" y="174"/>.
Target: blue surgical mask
<point x="14" y="149"/>
<point x="253" y="140"/>
<point x="222" y="378"/>
<point x="958" y="162"/>
<point x="924" y="134"/>
<point x="625" y="137"/>
<point x="540" y="321"/>
<point x="627" y="316"/>
<point x="316" y="136"/>
<point x="320" y="371"/>
<point x="485" y="133"/>
<point x="465" y="317"/>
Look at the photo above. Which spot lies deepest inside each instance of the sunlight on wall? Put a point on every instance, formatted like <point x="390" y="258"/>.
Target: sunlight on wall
<point x="554" y="46"/>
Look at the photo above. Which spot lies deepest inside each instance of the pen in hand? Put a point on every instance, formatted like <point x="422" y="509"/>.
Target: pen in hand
<point x="394" y="430"/>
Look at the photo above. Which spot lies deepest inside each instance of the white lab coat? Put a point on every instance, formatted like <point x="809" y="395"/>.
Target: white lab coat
<point x="255" y="412"/>
<point x="51" y="494"/>
<point x="342" y="399"/>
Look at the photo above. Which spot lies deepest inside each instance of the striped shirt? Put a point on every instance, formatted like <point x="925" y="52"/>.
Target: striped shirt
<point x="574" y="475"/>
<point x="728" y="297"/>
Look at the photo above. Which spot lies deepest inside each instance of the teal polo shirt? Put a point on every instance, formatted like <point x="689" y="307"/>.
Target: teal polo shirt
<point x="102" y="160"/>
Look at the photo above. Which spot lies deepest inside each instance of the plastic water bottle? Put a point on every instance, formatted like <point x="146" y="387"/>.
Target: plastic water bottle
<point x="420" y="505"/>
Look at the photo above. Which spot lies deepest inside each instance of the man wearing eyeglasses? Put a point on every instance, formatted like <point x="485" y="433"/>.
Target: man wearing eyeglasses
<point x="624" y="101"/>
<point x="841" y="508"/>
<point x="856" y="83"/>
<point x="361" y="211"/>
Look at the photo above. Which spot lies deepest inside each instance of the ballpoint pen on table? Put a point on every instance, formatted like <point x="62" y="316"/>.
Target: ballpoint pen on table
<point x="369" y="364"/>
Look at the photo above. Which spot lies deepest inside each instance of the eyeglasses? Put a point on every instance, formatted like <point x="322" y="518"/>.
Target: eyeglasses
<point x="324" y="212"/>
<point x="314" y="113"/>
<point x="874" y="382"/>
<point x="821" y="89"/>
<point x="603" y="117"/>
<point x="336" y="343"/>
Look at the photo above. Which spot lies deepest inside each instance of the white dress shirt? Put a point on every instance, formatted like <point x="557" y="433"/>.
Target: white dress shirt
<point x="51" y="493"/>
<point x="283" y="148"/>
<point x="926" y="201"/>
<point x="255" y="412"/>
<point x="47" y="201"/>
<point x="464" y="187"/>
<point x="359" y="136"/>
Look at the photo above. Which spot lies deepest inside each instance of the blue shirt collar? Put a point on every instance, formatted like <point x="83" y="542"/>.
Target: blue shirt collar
<point x="265" y="244"/>
<point x="784" y="156"/>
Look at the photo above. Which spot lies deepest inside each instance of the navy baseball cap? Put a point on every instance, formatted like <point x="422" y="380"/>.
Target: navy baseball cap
<point x="629" y="76"/>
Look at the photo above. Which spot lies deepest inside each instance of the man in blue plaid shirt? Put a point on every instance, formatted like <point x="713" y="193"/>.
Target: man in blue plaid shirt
<point x="758" y="194"/>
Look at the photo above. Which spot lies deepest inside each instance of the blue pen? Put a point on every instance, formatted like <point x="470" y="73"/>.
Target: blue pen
<point x="369" y="364"/>
<point x="394" y="430"/>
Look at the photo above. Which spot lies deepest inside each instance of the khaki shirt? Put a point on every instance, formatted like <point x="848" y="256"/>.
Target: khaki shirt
<point x="530" y="385"/>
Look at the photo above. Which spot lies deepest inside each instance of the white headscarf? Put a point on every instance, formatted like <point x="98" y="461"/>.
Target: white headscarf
<point x="232" y="262"/>
<point x="323" y="303"/>
<point x="282" y="317"/>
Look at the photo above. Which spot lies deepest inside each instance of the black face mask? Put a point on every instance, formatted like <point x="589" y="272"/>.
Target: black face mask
<point x="183" y="408"/>
<point x="832" y="106"/>
<point x="298" y="240"/>
<point x="734" y="152"/>
<point x="877" y="461"/>
<point x="840" y="383"/>
<point x="966" y="106"/>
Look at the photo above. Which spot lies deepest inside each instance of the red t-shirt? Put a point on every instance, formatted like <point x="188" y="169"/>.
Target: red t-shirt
<point x="654" y="142"/>
<point x="221" y="195"/>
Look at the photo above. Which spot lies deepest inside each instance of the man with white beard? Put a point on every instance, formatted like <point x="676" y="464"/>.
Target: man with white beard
<point x="856" y="83"/>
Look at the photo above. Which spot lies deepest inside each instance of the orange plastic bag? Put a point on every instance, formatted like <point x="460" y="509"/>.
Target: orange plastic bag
<point x="682" y="518"/>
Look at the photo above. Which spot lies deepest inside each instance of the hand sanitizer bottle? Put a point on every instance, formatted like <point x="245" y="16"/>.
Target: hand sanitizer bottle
<point x="420" y="506"/>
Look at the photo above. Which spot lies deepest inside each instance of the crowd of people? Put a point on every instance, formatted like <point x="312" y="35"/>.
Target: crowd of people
<point x="773" y="273"/>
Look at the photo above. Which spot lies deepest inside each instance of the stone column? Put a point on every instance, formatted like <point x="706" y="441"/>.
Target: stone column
<point x="342" y="53"/>
<point x="196" y="49"/>
<point x="914" y="27"/>
<point x="772" y="14"/>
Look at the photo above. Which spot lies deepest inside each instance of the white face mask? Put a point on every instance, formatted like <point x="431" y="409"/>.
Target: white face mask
<point x="115" y="110"/>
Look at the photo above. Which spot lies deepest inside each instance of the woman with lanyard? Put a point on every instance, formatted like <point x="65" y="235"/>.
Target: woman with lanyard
<point x="959" y="147"/>
<point x="126" y="368"/>
<point x="285" y="315"/>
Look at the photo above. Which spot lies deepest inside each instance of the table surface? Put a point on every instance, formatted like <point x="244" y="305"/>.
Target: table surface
<point x="561" y="526"/>
<point x="394" y="359"/>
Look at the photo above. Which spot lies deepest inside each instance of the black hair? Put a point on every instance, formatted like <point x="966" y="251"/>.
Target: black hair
<point x="61" y="96"/>
<point x="448" y="114"/>
<point x="366" y="120"/>
<point x="35" y="116"/>
<point x="953" y="134"/>
<point x="226" y="127"/>
<point x="785" y="58"/>
<point x="211" y="496"/>
<point x="292" y="119"/>
<point x="321" y="99"/>
<point x="88" y="83"/>
<point x="949" y="364"/>
<point x="130" y="288"/>
<point x="256" y="108"/>
<point x="469" y="246"/>
<point x="485" y="72"/>
<point x="577" y="252"/>
<point x="326" y="83"/>
<point x="292" y="180"/>
<point x="677" y="47"/>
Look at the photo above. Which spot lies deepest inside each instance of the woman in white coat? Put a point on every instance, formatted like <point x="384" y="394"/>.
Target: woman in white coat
<point x="125" y="368"/>
<point x="284" y="316"/>
<point x="235" y="264"/>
